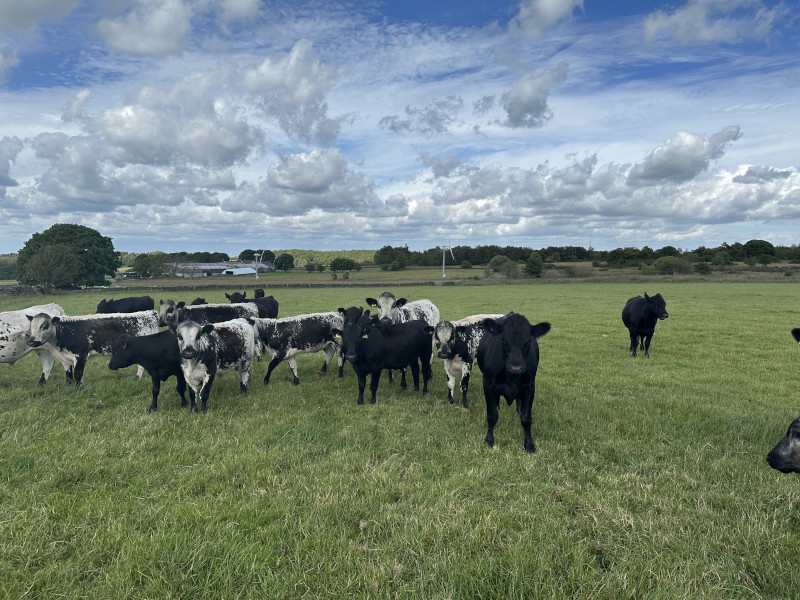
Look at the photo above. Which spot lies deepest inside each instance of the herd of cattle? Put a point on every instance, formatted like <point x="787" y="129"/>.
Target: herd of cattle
<point x="203" y="340"/>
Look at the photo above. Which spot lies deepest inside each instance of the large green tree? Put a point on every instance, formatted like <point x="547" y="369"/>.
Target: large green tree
<point x="284" y="262"/>
<point x="93" y="252"/>
<point x="53" y="266"/>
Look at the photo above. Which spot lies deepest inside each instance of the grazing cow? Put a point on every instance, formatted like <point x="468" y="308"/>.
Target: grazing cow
<point x="394" y="310"/>
<point x="349" y="315"/>
<point x="303" y="334"/>
<point x="210" y="349"/>
<point x="457" y="343"/>
<point x="125" y="305"/>
<point x="158" y="354"/>
<point x="15" y="329"/>
<point x="508" y="357"/>
<point x="267" y="307"/>
<point x="171" y="314"/>
<point x="198" y="301"/>
<point x="75" y="339"/>
<point x="371" y="347"/>
<point x="640" y="316"/>
<point x="785" y="456"/>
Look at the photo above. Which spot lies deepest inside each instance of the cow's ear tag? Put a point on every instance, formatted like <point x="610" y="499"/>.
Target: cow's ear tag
<point x="338" y="335"/>
<point x="365" y="336"/>
<point x="204" y="334"/>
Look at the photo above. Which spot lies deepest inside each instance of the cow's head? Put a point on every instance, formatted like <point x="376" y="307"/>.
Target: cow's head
<point x="259" y="293"/>
<point x="121" y="355"/>
<point x="445" y="336"/>
<point x="785" y="456"/>
<point x="517" y="336"/>
<point x="192" y="338"/>
<point x="388" y="307"/>
<point x="236" y="297"/>
<point x="166" y="312"/>
<point x="102" y="306"/>
<point x="198" y="301"/>
<point x="43" y="329"/>
<point x="352" y="336"/>
<point x="656" y="305"/>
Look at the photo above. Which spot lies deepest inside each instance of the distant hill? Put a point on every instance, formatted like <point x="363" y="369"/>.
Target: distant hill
<point x="301" y="257"/>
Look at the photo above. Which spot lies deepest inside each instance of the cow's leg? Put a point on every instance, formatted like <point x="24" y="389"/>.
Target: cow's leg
<point x="156" y="387"/>
<point x="414" y="366"/>
<point x="181" y="387"/>
<point x="77" y="371"/>
<point x="329" y="352"/>
<point x="525" y="406"/>
<point x="466" y="370"/>
<point x="276" y="360"/>
<point x="293" y="366"/>
<point x="70" y="375"/>
<point x="139" y="372"/>
<point x="634" y="343"/>
<point x="47" y="364"/>
<point x="451" y="370"/>
<point x="646" y="344"/>
<point x="362" y="383"/>
<point x="391" y="376"/>
<point x="492" y="404"/>
<point x="403" y="384"/>
<point x="245" y="370"/>
<point x="340" y="360"/>
<point x="205" y="392"/>
<point x="427" y="375"/>
<point x="373" y="385"/>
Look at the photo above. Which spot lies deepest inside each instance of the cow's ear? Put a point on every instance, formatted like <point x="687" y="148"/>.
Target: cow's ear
<point x="30" y="318"/>
<point x="460" y="331"/>
<point x="55" y="320"/>
<point x="646" y="297"/>
<point x="372" y="302"/>
<point x="181" y="304"/>
<point x="492" y="326"/>
<point x="337" y="333"/>
<point x="365" y="313"/>
<point x="341" y="311"/>
<point x="244" y="294"/>
<point x="161" y="301"/>
<point x="401" y="302"/>
<point x="429" y="330"/>
<point x="207" y="328"/>
<point x="540" y="329"/>
<point x="227" y="295"/>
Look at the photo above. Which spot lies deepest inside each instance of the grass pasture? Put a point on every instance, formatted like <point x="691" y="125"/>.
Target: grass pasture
<point x="649" y="481"/>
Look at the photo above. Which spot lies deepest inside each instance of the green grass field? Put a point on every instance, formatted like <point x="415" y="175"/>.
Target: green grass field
<point x="650" y="479"/>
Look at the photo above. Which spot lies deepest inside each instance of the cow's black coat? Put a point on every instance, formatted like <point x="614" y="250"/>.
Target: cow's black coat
<point x="508" y="357"/>
<point x="785" y="456"/>
<point x="267" y="305"/>
<point x="125" y="305"/>
<point x="349" y="315"/>
<point x="640" y="316"/>
<point x="159" y="355"/>
<point x="371" y="347"/>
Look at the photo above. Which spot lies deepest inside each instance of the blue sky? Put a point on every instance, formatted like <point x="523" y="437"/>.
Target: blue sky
<point x="224" y="125"/>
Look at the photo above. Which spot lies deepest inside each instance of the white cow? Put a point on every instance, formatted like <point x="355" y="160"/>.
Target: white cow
<point x="15" y="330"/>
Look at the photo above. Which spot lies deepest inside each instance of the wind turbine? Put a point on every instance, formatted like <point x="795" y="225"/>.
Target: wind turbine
<point x="257" y="258"/>
<point x="443" y="255"/>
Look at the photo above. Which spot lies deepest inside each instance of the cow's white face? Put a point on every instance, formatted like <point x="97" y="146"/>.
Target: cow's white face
<point x="43" y="329"/>
<point x="389" y="307"/>
<point x="445" y="337"/>
<point x="192" y="338"/>
<point x="166" y="312"/>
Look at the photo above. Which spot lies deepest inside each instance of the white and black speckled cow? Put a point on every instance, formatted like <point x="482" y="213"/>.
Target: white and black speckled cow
<point x="15" y="328"/>
<point x="210" y="349"/>
<point x="302" y="334"/>
<point x="170" y="313"/>
<point x="457" y="343"/>
<point x="75" y="339"/>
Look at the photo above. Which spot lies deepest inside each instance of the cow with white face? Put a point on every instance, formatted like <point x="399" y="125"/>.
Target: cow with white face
<point x="210" y="349"/>
<point x="457" y="343"/>
<point x="15" y="329"/>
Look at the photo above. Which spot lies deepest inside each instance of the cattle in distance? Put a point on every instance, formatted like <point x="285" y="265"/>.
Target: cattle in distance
<point x="508" y="357"/>
<point x="640" y="316"/>
<point x="125" y="305"/>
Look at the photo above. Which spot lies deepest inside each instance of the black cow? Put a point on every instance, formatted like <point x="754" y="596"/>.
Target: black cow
<point x="302" y="334"/>
<point x="158" y="354"/>
<point x="785" y="456"/>
<point x="508" y="357"/>
<point x="125" y="305"/>
<point x="371" y="347"/>
<point x="259" y="292"/>
<point x="171" y="314"/>
<point x="349" y="315"/>
<point x="267" y="306"/>
<point x="198" y="301"/>
<point x="457" y="343"/>
<point x="640" y="316"/>
<point x="75" y="339"/>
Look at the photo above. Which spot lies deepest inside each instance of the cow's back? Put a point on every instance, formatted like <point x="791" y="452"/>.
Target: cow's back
<point x="632" y="311"/>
